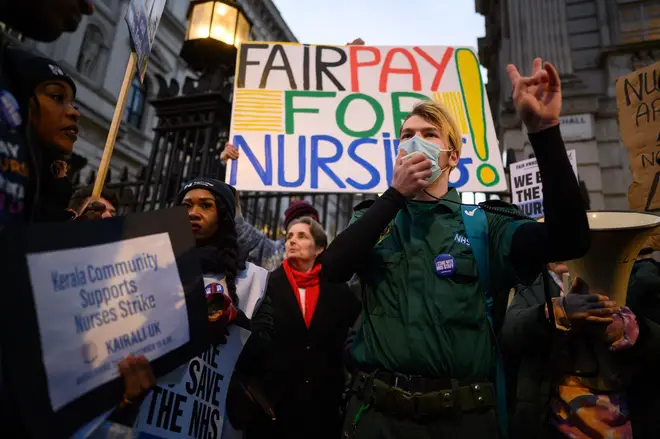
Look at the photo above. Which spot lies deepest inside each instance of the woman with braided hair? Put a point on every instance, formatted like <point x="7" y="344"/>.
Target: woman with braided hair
<point x="211" y="208"/>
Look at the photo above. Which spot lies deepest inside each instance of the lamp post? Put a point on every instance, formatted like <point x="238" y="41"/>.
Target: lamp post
<point x="193" y="120"/>
<point x="193" y="125"/>
<point x="215" y="29"/>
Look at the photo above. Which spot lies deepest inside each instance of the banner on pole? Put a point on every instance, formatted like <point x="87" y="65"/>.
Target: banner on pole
<point x="527" y="187"/>
<point x="143" y="17"/>
<point x="327" y="118"/>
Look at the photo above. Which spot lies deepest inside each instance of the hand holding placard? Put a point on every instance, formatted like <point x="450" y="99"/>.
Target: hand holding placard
<point x="229" y="153"/>
<point x="356" y="42"/>
<point x="138" y="377"/>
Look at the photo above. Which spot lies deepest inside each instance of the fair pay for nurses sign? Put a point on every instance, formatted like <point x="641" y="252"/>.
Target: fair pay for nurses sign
<point x="320" y="118"/>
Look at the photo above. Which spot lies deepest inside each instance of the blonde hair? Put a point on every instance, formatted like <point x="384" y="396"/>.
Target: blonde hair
<point x="438" y="116"/>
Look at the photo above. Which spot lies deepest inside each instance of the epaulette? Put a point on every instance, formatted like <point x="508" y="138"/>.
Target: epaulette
<point x="363" y="205"/>
<point x="500" y="207"/>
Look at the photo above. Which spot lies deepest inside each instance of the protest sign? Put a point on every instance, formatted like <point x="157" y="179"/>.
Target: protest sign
<point x="195" y="407"/>
<point x="527" y="187"/>
<point x="327" y="119"/>
<point x="199" y="417"/>
<point x="86" y="294"/>
<point x="116" y="295"/>
<point x="142" y="18"/>
<point x="638" y="100"/>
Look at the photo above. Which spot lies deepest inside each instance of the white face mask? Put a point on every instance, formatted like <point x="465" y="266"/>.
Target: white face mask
<point x="430" y="151"/>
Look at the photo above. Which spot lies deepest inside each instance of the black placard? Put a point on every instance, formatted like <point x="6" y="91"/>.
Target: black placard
<point x="24" y="373"/>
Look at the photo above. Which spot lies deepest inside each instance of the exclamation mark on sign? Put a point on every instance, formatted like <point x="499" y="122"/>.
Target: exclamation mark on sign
<point x="472" y="86"/>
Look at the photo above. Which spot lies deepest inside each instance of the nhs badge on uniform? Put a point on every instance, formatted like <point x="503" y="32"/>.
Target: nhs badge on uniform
<point x="445" y="265"/>
<point x="461" y="239"/>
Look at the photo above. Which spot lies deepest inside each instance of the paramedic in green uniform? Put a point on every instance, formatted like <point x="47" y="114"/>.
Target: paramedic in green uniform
<point x="424" y="353"/>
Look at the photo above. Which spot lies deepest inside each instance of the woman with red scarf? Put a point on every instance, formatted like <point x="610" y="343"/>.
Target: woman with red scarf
<point x="303" y="371"/>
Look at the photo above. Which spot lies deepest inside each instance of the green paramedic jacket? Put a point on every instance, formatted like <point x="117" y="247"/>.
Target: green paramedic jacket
<point x="415" y="321"/>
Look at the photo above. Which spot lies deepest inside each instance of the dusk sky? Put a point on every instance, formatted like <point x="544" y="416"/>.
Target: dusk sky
<point x="384" y="22"/>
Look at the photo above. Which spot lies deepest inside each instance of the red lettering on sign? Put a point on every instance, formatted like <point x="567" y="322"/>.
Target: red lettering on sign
<point x="355" y="64"/>
<point x="389" y="70"/>
<point x="440" y="68"/>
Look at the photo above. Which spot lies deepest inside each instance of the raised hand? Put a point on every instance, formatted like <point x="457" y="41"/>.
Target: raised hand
<point x="138" y="377"/>
<point x="537" y="98"/>
<point x="410" y="174"/>
<point x="230" y="152"/>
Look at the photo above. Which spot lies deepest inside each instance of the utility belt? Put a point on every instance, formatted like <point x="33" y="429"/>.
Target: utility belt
<point x="409" y="396"/>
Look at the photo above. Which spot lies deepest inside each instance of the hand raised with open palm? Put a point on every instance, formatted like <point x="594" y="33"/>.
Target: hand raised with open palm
<point x="537" y="98"/>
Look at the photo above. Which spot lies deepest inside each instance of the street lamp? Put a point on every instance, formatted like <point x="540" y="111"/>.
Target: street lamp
<point x="215" y="30"/>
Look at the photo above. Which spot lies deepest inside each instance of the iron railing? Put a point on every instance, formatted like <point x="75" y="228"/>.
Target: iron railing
<point x="190" y="134"/>
<point x="264" y="210"/>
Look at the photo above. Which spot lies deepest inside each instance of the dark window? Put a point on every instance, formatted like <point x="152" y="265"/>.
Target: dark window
<point x="639" y="21"/>
<point x="135" y="103"/>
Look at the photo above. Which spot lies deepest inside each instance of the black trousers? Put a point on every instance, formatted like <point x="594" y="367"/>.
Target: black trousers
<point x="372" y="424"/>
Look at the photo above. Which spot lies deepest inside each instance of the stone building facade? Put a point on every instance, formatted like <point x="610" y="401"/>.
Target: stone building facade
<point x="591" y="42"/>
<point x="96" y="56"/>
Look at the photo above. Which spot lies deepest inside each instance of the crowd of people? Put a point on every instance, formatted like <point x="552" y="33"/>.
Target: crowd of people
<point x="429" y="345"/>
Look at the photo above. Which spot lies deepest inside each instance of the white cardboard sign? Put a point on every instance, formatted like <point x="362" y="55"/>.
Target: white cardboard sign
<point x="315" y="118"/>
<point x="527" y="187"/>
<point x="98" y="304"/>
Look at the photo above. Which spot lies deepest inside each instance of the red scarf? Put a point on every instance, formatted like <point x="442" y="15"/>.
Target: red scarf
<point x="309" y="281"/>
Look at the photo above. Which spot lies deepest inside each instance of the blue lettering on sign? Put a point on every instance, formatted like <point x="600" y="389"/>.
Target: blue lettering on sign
<point x="321" y="163"/>
<point x="133" y="338"/>
<point x="375" y="175"/>
<point x="266" y="175"/>
<point x="463" y="173"/>
<point x="461" y="239"/>
<point x="391" y="151"/>
<point x="315" y="163"/>
<point x="302" y="160"/>
<point x="136" y="19"/>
